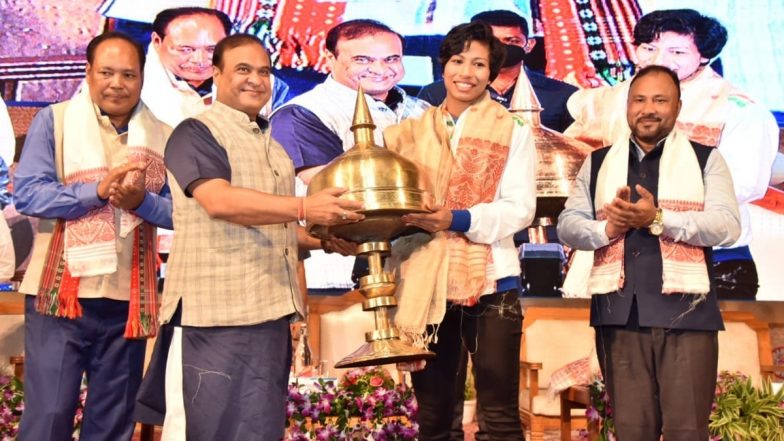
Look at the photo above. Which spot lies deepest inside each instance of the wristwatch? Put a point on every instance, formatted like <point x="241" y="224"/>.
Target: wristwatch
<point x="656" y="227"/>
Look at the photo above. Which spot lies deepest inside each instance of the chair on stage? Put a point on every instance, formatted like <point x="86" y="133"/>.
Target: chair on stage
<point x="552" y="338"/>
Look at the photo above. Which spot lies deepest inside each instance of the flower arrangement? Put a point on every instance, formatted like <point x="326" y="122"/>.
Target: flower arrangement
<point x="12" y="406"/>
<point x="740" y="410"/>
<point x="365" y="404"/>
<point x="600" y="412"/>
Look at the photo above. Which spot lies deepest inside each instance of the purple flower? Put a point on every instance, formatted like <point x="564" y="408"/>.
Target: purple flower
<point x="362" y="405"/>
<point x="327" y="433"/>
<point x="410" y="432"/>
<point x="291" y="408"/>
<point x="367" y="414"/>
<point x="324" y="406"/>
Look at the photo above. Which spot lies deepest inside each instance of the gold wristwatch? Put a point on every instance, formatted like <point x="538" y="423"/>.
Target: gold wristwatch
<point x="656" y="227"/>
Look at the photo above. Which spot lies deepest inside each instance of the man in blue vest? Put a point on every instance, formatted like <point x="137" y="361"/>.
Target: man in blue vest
<point x="650" y="207"/>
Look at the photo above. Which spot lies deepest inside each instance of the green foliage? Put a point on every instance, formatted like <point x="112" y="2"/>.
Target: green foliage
<point x="470" y="389"/>
<point x="743" y="412"/>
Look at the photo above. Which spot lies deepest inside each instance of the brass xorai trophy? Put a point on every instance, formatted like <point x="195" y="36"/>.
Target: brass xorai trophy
<point x="558" y="159"/>
<point x="389" y="186"/>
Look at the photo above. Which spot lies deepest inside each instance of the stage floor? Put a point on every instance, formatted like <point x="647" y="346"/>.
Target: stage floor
<point x="469" y="429"/>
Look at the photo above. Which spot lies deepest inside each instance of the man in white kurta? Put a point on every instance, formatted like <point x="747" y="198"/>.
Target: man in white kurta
<point x="714" y="113"/>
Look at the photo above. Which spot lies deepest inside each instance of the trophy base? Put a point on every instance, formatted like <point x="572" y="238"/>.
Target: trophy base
<point x="386" y="351"/>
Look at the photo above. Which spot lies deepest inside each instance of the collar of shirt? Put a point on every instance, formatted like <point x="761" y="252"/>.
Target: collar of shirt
<point x="394" y="98"/>
<point x="203" y="89"/>
<point x="639" y="153"/>
<point x="104" y="119"/>
<point x="239" y="117"/>
<point x="504" y="99"/>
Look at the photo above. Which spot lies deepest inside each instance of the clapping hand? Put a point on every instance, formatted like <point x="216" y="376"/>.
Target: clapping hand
<point x="623" y="215"/>
<point x="128" y="192"/>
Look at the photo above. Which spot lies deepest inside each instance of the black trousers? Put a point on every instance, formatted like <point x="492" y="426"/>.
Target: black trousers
<point x="660" y="381"/>
<point x="457" y="433"/>
<point x="235" y="381"/>
<point x="490" y="332"/>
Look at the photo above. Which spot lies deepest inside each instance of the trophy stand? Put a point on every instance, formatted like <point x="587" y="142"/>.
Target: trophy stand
<point x="389" y="186"/>
<point x="383" y="344"/>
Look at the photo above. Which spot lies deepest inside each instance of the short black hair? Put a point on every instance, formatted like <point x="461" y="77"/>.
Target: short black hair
<point x="709" y="35"/>
<point x="656" y="69"/>
<point x="460" y="37"/>
<point x="349" y="30"/>
<point x="92" y="46"/>
<point x="165" y="17"/>
<point x="231" y="42"/>
<point x="502" y="17"/>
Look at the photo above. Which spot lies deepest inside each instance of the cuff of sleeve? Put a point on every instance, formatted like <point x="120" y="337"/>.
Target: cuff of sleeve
<point x="601" y="233"/>
<point x="672" y="222"/>
<point x="461" y="221"/>
<point x="88" y="195"/>
<point x="145" y="208"/>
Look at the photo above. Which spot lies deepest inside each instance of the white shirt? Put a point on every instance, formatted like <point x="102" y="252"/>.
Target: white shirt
<point x="495" y="223"/>
<point x="7" y="138"/>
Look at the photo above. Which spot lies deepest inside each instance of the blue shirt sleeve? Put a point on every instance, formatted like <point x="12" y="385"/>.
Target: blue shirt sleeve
<point x="38" y="192"/>
<point x="5" y="195"/>
<point x="280" y="93"/>
<point x="157" y="208"/>
<point x="192" y="153"/>
<point x="305" y="138"/>
<point x="461" y="221"/>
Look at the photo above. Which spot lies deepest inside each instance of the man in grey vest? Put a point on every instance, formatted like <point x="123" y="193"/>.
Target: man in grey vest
<point x="650" y="207"/>
<point x="231" y="281"/>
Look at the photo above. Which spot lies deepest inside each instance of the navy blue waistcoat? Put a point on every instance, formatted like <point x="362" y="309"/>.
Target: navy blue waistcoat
<point x="643" y="264"/>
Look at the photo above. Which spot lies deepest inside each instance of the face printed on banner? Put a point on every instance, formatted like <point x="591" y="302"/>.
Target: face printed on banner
<point x="243" y="81"/>
<point x="674" y="51"/>
<point x="115" y="78"/>
<point x="374" y="61"/>
<point x="652" y="108"/>
<point x="186" y="49"/>
<point x="466" y="76"/>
